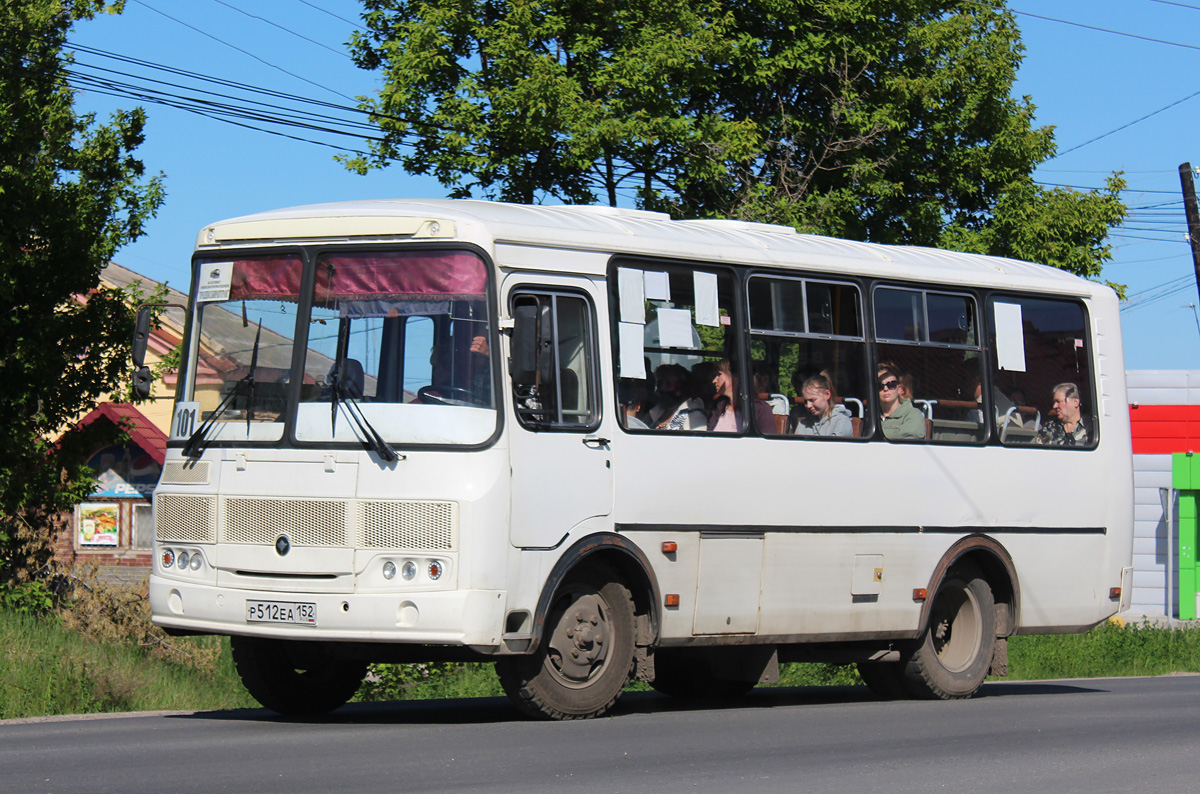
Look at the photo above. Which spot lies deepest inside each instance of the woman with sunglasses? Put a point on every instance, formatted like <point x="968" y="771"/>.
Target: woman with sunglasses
<point x="900" y="419"/>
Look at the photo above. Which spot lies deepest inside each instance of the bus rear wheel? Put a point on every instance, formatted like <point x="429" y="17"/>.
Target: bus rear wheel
<point x="954" y="654"/>
<point x="585" y="655"/>
<point x="296" y="679"/>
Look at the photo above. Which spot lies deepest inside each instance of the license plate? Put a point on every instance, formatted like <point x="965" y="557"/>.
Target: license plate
<point x="281" y="612"/>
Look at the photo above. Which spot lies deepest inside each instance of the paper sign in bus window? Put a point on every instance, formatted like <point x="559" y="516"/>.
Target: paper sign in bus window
<point x="707" y="310"/>
<point x="657" y="285"/>
<point x="1010" y="337"/>
<point x="633" y="350"/>
<point x="215" y="279"/>
<point x="675" y="328"/>
<point x="633" y="303"/>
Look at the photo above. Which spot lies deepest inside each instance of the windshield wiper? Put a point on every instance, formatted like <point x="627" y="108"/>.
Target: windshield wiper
<point x="194" y="447"/>
<point x="343" y="394"/>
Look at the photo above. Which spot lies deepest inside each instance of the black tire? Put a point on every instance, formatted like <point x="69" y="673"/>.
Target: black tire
<point x="884" y="679"/>
<point x="686" y="673"/>
<point x="585" y="656"/>
<point x="954" y="654"/>
<point x="296" y="679"/>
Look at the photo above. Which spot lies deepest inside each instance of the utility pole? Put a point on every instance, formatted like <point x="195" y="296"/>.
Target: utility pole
<point x="1193" y="216"/>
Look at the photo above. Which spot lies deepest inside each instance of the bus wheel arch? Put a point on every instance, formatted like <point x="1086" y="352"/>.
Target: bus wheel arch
<point x="595" y="619"/>
<point x="996" y="566"/>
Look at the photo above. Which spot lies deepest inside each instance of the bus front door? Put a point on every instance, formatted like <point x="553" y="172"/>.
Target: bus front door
<point x="559" y="444"/>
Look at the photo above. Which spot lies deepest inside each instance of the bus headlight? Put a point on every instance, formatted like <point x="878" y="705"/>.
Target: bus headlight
<point x="408" y="570"/>
<point x="184" y="558"/>
<point x="389" y="570"/>
<point x="196" y="562"/>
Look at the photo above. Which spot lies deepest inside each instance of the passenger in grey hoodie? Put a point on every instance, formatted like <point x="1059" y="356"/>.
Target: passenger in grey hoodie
<point x="824" y="417"/>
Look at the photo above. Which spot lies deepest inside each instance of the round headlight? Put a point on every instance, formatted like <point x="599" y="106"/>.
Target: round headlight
<point x="435" y="570"/>
<point x="196" y="562"/>
<point x="389" y="570"/>
<point x="168" y="558"/>
<point x="408" y="570"/>
<point x="183" y="560"/>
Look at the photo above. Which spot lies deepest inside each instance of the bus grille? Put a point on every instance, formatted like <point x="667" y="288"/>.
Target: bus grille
<point x="187" y="519"/>
<point x="306" y="522"/>
<point x="416" y="526"/>
<point x="176" y="472"/>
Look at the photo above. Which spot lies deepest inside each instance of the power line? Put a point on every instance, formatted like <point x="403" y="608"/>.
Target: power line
<point x="284" y="29"/>
<point x="335" y="16"/>
<point x="244" y="52"/>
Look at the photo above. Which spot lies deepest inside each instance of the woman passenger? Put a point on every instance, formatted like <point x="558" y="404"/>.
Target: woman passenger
<point x="823" y="417"/>
<point x="677" y="408"/>
<point x="725" y="416"/>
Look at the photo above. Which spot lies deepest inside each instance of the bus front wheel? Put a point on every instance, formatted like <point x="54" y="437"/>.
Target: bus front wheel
<point x="296" y="679"/>
<point x="955" y="652"/>
<point x="585" y="655"/>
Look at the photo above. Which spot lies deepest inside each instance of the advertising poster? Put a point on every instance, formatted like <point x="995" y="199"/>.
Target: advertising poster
<point x="98" y="524"/>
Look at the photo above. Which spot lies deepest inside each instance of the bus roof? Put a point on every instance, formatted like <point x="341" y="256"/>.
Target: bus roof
<point x="636" y="232"/>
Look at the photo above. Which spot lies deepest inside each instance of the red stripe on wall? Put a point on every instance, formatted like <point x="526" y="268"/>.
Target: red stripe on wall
<point x="1164" y="429"/>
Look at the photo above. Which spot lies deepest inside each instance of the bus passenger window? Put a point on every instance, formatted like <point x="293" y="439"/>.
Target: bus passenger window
<point x="674" y="332"/>
<point x="808" y="331"/>
<point x="929" y="344"/>
<point x="1041" y="374"/>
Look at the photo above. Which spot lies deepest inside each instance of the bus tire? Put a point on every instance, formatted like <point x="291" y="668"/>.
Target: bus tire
<point x="687" y="674"/>
<point x="585" y="656"/>
<point x="952" y="658"/>
<point x="295" y="679"/>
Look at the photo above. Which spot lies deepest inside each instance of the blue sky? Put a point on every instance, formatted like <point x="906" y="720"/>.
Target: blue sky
<point x="1085" y="81"/>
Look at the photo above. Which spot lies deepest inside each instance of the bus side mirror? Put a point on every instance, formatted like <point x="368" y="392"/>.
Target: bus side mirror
<point x="141" y="335"/>
<point x="143" y="383"/>
<point x="523" y="365"/>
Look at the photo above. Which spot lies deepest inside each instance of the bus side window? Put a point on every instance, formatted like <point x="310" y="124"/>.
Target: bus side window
<point x="553" y="368"/>
<point x="808" y="331"/>
<point x="1039" y="344"/>
<point x="930" y="341"/>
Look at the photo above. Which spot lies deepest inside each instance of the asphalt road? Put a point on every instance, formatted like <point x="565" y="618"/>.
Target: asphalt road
<point x="1089" y="736"/>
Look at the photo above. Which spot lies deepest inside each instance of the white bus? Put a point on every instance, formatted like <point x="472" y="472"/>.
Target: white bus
<point x="575" y="441"/>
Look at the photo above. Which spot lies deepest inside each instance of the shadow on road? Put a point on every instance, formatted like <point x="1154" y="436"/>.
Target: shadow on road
<point x="477" y="711"/>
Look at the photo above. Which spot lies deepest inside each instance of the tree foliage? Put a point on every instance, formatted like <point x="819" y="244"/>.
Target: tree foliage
<point x="883" y="120"/>
<point x="70" y="194"/>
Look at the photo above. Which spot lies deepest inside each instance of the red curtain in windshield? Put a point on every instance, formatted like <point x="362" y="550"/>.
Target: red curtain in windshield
<point x="419" y="275"/>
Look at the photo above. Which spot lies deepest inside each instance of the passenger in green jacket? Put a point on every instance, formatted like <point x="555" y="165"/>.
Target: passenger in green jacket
<point x="901" y="420"/>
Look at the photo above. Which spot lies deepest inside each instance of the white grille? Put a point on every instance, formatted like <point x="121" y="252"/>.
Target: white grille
<point x="409" y="526"/>
<point x="179" y="472"/>
<point x="306" y="522"/>
<point x="187" y="519"/>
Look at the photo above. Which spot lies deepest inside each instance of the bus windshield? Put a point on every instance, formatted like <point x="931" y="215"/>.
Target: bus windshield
<point x="395" y="343"/>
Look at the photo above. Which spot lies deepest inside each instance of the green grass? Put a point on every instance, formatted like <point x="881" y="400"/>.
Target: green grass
<point x="46" y="670"/>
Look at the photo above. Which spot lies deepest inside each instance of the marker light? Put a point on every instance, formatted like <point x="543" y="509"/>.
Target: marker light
<point x="389" y="570"/>
<point x="1114" y="593"/>
<point x="408" y="570"/>
<point x="196" y="562"/>
<point x="672" y="600"/>
<point x="670" y="547"/>
<point x="435" y="570"/>
<point x="168" y="558"/>
<point x="920" y="594"/>
<point x="183" y="560"/>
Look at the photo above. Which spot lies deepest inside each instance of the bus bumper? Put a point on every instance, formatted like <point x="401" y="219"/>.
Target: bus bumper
<point x="456" y="617"/>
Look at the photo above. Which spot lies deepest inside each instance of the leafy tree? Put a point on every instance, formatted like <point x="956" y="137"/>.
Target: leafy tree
<point x="70" y="194"/>
<point x="882" y="120"/>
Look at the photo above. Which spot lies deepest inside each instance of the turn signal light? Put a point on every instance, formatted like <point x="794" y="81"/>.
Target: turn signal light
<point x="920" y="594"/>
<point x="670" y="547"/>
<point x="672" y="600"/>
<point x="1114" y="593"/>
